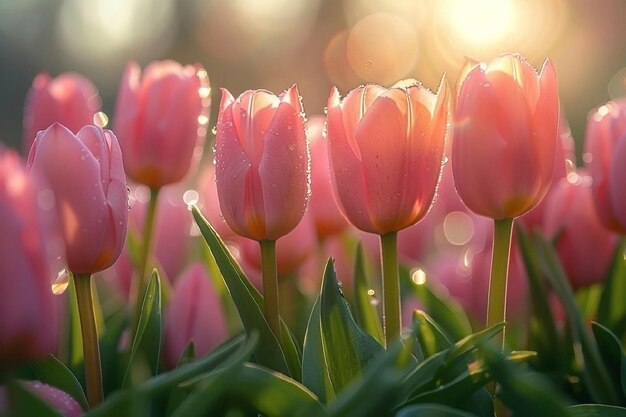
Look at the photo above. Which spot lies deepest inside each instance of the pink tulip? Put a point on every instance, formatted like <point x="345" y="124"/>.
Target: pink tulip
<point x="262" y="163"/>
<point x="28" y="326"/>
<point x="604" y="150"/>
<point x="86" y="176"/>
<point x="69" y="99"/>
<point x="161" y="119"/>
<point x="506" y="127"/>
<point x="194" y="314"/>
<point x="327" y="216"/>
<point x="58" y="400"/>
<point x="210" y="205"/>
<point x="386" y="150"/>
<point x="584" y="245"/>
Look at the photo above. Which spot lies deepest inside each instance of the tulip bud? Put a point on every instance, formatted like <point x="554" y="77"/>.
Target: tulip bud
<point x="194" y="314"/>
<point x="262" y="163"/>
<point x="505" y="133"/>
<point x="69" y="99"/>
<point x="604" y="157"/>
<point x="386" y="150"/>
<point x="28" y="326"/>
<point x="161" y="120"/>
<point x="86" y="176"/>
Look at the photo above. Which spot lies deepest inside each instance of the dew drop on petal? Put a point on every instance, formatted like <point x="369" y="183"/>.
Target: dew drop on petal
<point x="61" y="282"/>
<point x="191" y="197"/>
<point x="100" y="119"/>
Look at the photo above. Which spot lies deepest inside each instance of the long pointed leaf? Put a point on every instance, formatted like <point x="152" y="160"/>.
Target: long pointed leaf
<point x="314" y="367"/>
<point x="612" y="309"/>
<point x="365" y="312"/>
<point x="432" y="410"/>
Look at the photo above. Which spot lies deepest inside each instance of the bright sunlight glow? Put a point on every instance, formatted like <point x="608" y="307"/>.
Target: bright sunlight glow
<point x="480" y="21"/>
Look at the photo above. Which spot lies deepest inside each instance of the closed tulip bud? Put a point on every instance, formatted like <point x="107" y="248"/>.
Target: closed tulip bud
<point x="386" y="150"/>
<point x="60" y="401"/>
<point x="161" y="120"/>
<point x="505" y="133"/>
<point x="322" y="205"/>
<point x="584" y="245"/>
<point x="194" y="314"/>
<point x="604" y="153"/>
<point x="86" y="176"/>
<point x="262" y="163"/>
<point x="69" y="99"/>
<point x="28" y="326"/>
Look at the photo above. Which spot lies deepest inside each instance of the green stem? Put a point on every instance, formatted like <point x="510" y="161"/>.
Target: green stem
<point x="148" y="229"/>
<point x="391" y="286"/>
<point x="270" y="285"/>
<point x="91" y="349"/>
<point x="496" y="306"/>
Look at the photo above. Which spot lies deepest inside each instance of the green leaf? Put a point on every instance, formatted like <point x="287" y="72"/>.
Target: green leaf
<point x="249" y="303"/>
<point x="314" y="368"/>
<point x="177" y="394"/>
<point x="52" y="372"/>
<point x="430" y="336"/>
<point x="273" y="394"/>
<point x="147" y="338"/>
<point x="595" y="375"/>
<point x="447" y="312"/>
<point x="612" y="309"/>
<point x="365" y="312"/>
<point x="348" y="349"/>
<point x="431" y="410"/>
<point x="596" y="410"/>
<point x="614" y="357"/>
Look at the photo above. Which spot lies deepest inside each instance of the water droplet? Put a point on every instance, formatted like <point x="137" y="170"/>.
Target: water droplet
<point x="204" y="92"/>
<point x="191" y="197"/>
<point x="203" y="119"/>
<point x="61" y="282"/>
<point x="291" y="147"/>
<point x="100" y="119"/>
<point x="418" y="277"/>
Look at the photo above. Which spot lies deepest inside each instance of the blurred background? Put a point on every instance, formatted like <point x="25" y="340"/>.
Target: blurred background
<point x="271" y="44"/>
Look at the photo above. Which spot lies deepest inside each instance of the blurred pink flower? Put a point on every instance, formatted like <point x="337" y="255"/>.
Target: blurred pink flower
<point x="386" y="150"/>
<point x="209" y="203"/>
<point x="69" y="99"/>
<point x="90" y="192"/>
<point x="27" y="306"/>
<point x="161" y="120"/>
<point x="262" y="163"/>
<point x="505" y="132"/>
<point x="60" y="401"/>
<point x="194" y="314"/>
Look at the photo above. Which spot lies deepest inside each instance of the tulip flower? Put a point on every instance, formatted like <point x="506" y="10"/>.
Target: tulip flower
<point x="194" y="314"/>
<point x="386" y="150"/>
<point x="322" y="206"/>
<point x="60" y="401"/>
<point x="69" y="99"/>
<point x="92" y="201"/>
<point x="27" y="307"/>
<point x="210" y="204"/>
<point x="584" y="245"/>
<point x="262" y="174"/>
<point x="606" y="134"/>
<point x="503" y="152"/>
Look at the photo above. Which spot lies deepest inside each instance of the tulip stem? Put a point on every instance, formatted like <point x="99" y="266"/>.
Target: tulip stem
<point x="391" y="286"/>
<point x="496" y="305"/>
<point x="148" y="229"/>
<point x="91" y="349"/>
<point x="270" y="285"/>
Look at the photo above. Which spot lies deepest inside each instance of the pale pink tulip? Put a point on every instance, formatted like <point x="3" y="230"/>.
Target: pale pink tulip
<point x="210" y="205"/>
<point x="69" y="99"/>
<point x="604" y="150"/>
<point x="194" y="314"/>
<point x="584" y="245"/>
<point x="29" y="316"/>
<point x="161" y="120"/>
<point x="86" y="176"/>
<point x="322" y="205"/>
<point x="386" y="150"/>
<point x="505" y="133"/>
<point x="262" y="163"/>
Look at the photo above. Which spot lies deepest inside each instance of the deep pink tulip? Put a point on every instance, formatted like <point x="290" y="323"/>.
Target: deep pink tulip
<point x="69" y="99"/>
<point x="322" y="205"/>
<point x="505" y="133"/>
<point x="161" y="120"/>
<point x="86" y="176"/>
<point x="58" y="400"/>
<point x="604" y="150"/>
<point x="28" y="326"/>
<point x="584" y="245"/>
<point x="194" y="314"/>
<point x="262" y="163"/>
<point x="386" y="149"/>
